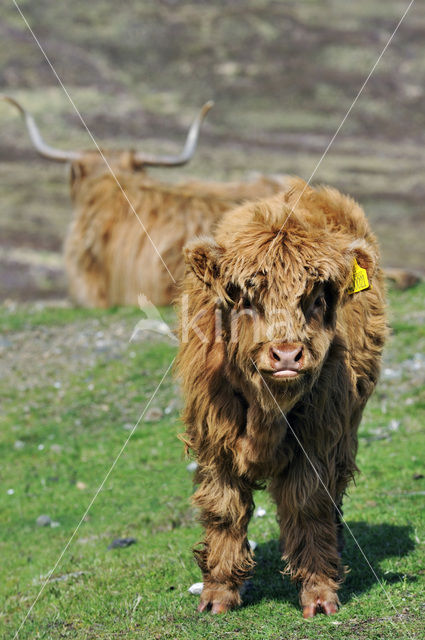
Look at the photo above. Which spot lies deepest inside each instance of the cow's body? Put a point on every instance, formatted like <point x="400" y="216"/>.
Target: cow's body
<point x="276" y="377"/>
<point x="128" y="230"/>
<point x="120" y="246"/>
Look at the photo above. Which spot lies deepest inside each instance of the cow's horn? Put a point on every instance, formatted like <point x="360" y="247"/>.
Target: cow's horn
<point x="43" y="149"/>
<point x="189" y="147"/>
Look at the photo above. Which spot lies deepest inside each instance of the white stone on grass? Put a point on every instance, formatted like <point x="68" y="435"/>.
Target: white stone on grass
<point x="196" y="588"/>
<point x="259" y="512"/>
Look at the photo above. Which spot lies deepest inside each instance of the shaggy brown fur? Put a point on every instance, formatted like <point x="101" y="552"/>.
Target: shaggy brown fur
<point x="109" y="257"/>
<point x="251" y="294"/>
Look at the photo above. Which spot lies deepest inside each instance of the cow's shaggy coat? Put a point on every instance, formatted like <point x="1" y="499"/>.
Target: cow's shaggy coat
<point x="271" y="287"/>
<point x="121" y="245"/>
<point x="128" y="230"/>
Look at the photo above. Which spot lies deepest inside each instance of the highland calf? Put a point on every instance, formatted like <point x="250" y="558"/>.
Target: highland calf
<point x="128" y="229"/>
<point x="282" y="330"/>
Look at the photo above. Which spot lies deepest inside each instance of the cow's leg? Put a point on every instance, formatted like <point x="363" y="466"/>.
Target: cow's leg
<point x="87" y="279"/>
<point x="224" y="557"/>
<point x="309" y="539"/>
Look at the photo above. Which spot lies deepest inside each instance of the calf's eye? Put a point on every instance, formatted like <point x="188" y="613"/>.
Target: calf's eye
<point x="319" y="302"/>
<point x="246" y="303"/>
<point x="233" y="291"/>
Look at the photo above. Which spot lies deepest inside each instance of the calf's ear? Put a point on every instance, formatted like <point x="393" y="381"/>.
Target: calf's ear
<point x="203" y="257"/>
<point x="366" y="255"/>
<point x="362" y="262"/>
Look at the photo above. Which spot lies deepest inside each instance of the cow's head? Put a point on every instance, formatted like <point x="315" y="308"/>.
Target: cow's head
<point x="280" y="271"/>
<point x="88" y="163"/>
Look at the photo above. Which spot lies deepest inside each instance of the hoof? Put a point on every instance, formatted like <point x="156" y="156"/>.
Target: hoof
<point x="218" y="599"/>
<point x="203" y="606"/>
<point x="309" y="611"/>
<point x="219" y="607"/>
<point x="215" y="607"/>
<point x="329" y="608"/>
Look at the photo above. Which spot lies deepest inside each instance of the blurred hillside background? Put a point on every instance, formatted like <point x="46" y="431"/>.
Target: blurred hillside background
<point x="282" y="74"/>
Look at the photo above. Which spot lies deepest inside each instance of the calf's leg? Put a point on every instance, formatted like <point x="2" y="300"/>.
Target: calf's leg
<point x="309" y="537"/>
<point x="224" y="557"/>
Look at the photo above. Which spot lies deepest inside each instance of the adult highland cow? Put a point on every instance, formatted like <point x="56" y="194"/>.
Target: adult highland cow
<point x="128" y="229"/>
<point x="282" y="329"/>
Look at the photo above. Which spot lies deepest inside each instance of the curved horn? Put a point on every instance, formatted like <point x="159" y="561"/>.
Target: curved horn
<point x="43" y="149"/>
<point x="189" y="146"/>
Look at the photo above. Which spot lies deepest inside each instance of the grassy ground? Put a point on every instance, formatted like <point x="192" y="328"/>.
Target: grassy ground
<point x="74" y="386"/>
<point x="283" y="75"/>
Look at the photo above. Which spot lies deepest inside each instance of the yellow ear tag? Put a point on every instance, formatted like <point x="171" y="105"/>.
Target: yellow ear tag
<point x="360" y="280"/>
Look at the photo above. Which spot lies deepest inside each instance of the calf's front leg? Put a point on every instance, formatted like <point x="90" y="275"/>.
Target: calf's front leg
<point x="224" y="557"/>
<point x="310" y="546"/>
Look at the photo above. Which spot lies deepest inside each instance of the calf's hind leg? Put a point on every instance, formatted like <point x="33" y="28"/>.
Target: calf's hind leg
<point x="224" y="556"/>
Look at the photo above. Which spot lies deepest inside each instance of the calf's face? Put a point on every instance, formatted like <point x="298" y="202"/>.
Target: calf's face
<point x="278" y="294"/>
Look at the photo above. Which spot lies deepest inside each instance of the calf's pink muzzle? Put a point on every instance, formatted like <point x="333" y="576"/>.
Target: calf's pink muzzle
<point x="286" y="359"/>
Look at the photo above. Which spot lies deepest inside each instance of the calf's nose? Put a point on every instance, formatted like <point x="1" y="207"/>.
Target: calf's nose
<point x="286" y="356"/>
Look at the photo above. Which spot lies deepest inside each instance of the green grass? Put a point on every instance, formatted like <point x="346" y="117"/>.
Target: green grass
<point x="141" y="591"/>
<point x="27" y="317"/>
